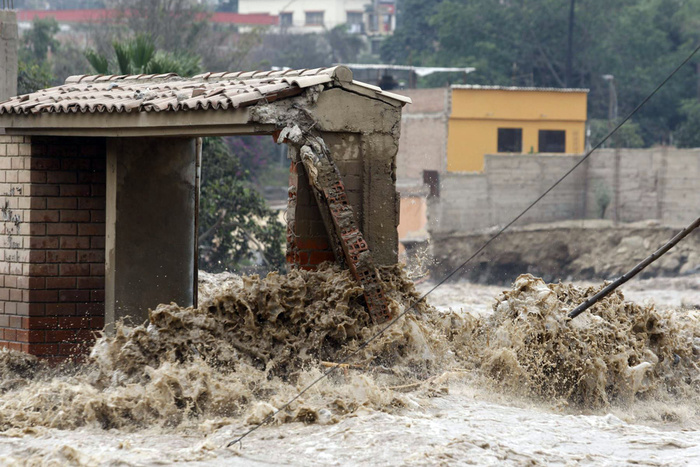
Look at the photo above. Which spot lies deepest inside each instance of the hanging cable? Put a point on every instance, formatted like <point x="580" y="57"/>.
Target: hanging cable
<point x="468" y="260"/>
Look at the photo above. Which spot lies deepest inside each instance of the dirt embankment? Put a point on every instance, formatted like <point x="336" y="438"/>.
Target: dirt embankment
<point x="572" y="250"/>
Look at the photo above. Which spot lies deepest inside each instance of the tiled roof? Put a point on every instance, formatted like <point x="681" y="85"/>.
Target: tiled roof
<point x="516" y="88"/>
<point x="169" y="92"/>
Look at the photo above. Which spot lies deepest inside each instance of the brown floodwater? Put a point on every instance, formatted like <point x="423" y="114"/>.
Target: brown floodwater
<point x="489" y="375"/>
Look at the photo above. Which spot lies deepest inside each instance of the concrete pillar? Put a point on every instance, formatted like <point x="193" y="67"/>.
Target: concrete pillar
<point x="150" y="223"/>
<point x="381" y="200"/>
<point x="8" y="54"/>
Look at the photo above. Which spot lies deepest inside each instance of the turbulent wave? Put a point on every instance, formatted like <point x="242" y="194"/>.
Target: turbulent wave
<point x="616" y="352"/>
<point x="254" y="342"/>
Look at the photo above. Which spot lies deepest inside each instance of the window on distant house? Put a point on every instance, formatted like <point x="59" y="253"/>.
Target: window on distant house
<point x="552" y="141"/>
<point x="354" y="17"/>
<point x="510" y="140"/>
<point x="432" y="179"/>
<point x="355" y="22"/>
<point x="314" y="18"/>
<point x="286" y="19"/>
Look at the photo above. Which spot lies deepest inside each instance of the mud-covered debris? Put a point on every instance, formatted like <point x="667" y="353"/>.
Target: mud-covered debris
<point x="255" y="342"/>
<point x="615" y="352"/>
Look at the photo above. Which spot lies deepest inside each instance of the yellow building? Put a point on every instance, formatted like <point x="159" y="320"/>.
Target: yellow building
<point x="494" y="119"/>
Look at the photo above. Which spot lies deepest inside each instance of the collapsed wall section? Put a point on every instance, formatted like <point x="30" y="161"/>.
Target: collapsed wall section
<point x="362" y="135"/>
<point x="53" y="226"/>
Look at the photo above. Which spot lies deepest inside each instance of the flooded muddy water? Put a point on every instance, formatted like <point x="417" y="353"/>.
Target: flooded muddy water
<point x="486" y="376"/>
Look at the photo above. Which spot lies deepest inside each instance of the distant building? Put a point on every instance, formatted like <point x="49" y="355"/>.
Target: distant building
<point x="452" y="129"/>
<point x="372" y="17"/>
<point x="495" y="119"/>
<point x="66" y="18"/>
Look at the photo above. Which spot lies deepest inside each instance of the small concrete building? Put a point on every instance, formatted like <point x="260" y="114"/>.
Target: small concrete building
<point x="513" y="120"/>
<point x="99" y="186"/>
<point x="453" y="130"/>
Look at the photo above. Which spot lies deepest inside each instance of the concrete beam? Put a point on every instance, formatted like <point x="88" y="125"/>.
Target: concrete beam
<point x="190" y="123"/>
<point x="150" y="225"/>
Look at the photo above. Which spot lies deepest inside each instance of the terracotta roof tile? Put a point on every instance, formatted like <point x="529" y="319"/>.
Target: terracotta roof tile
<point x="169" y="92"/>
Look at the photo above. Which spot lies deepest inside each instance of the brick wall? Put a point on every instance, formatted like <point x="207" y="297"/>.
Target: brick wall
<point x="423" y="141"/>
<point x="307" y="240"/>
<point x="52" y="262"/>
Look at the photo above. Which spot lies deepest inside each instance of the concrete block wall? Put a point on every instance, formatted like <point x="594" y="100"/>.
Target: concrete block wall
<point x="423" y="139"/>
<point x="52" y="268"/>
<point x="679" y="185"/>
<point x="656" y="183"/>
<point x="470" y="202"/>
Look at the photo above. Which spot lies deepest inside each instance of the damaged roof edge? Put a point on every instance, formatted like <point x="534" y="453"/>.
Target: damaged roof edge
<point x="170" y="94"/>
<point x="211" y="103"/>
<point x="380" y="92"/>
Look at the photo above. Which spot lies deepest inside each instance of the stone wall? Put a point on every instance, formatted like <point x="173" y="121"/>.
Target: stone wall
<point x="657" y="183"/>
<point x="52" y="262"/>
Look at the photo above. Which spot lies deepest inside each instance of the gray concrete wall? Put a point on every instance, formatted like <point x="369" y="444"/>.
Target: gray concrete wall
<point x="423" y="140"/>
<point x="8" y="54"/>
<point x="150" y="238"/>
<point x="657" y="183"/>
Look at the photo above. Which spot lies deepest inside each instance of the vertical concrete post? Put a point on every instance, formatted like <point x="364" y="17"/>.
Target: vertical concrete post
<point x="150" y="238"/>
<point x="8" y="54"/>
<point x="381" y="200"/>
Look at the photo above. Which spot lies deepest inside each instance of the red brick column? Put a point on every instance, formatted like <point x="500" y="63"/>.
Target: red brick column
<point x="307" y="239"/>
<point x="52" y="262"/>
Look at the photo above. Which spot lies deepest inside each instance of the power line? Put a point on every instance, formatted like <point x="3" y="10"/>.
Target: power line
<point x="468" y="260"/>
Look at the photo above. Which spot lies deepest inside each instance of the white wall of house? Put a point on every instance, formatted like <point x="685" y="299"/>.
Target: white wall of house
<point x="309" y="15"/>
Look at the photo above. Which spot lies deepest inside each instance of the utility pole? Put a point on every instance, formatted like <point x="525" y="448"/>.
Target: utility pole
<point x="568" y="78"/>
<point x="612" y="118"/>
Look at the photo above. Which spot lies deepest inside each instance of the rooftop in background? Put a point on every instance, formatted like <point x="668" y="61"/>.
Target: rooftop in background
<point x="390" y="76"/>
<point x="98" y="15"/>
<point x="516" y="88"/>
<point x="419" y="70"/>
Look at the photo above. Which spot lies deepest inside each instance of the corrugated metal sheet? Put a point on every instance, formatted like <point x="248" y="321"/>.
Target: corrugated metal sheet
<point x="515" y="88"/>
<point x="169" y="92"/>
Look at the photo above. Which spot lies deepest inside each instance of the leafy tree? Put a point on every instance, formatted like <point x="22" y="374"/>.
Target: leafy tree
<point x="688" y="134"/>
<point x="257" y="156"/>
<point x="33" y="67"/>
<point x="32" y="77"/>
<point x="139" y="55"/>
<point x="235" y="224"/>
<point x="39" y="40"/>
<point x="414" y="39"/>
<point x="628" y="136"/>
<point x="525" y="43"/>
<point x="345" y="47"/>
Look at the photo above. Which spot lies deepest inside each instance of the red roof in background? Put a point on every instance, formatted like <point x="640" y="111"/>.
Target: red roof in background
<point x="66" y="16"/>
<point x="91" y="16"/>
